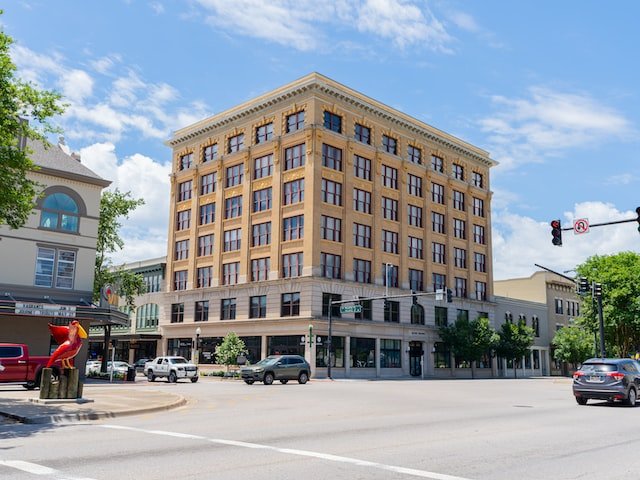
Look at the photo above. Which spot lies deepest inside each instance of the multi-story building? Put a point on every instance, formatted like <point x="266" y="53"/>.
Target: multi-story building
<point x="556" y="292"/>
<point x="314" y="193"/>
<point x="48" y="264"/>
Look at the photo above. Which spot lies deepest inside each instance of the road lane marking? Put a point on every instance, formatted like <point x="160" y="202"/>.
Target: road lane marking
<point x="36" y="469"/>
<point x="303" y="453"/>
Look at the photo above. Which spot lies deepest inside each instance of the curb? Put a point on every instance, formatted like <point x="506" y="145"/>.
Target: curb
<point x="70" y="417"/>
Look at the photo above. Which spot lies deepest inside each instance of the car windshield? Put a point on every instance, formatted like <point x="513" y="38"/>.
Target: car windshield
<point x="177" y="360"/>
<point x="599" y="367"/>
<point x="268" y="361"/>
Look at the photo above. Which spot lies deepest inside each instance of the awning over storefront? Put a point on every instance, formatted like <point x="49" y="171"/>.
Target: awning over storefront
<point x="30" y="307"/>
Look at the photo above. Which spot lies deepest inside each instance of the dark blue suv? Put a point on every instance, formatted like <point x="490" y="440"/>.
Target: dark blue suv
<point x="607" y="379"/>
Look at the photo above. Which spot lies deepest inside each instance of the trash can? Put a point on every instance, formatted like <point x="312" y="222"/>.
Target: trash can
<point x="131" y="374"/>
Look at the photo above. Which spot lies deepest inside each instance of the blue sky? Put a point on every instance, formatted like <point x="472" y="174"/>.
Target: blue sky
<point x="550" y="89"/>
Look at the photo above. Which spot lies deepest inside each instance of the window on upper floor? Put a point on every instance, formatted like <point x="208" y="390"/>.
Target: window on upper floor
<point x="414" y="214"/>
<point x="208" y="183"/>
<point x="235" y="143"/>
<point x="184" y="190"/>
<point x="414" y="185"/>
<point x="438" y="253"/>
<point x="293" y="192"/>
<point x="55" y="267"/>
<point x="437" y="222"/>
<point x="261" y="234"/>
<point x="332" y="121"/>
<point x="262" y="200"/>
<point x="457" y="171"/>
<point x="330" y="265"/>
<point x="264" y="133"/>
<point x="234" y="175"/>
<point x="481" y="291"/>
<point x="478" y="180"/>
<point x="293" y="228"/>
<point x="390" y="144"/>
<point x="437" y="193"/>
<point x="331" y="228"/>
<point x="437" y="163"/>
<point x="389" y="209"/>
<point x="210" y="153"/>
<point x="362" y="167"/>
<point x="390" y="177"/>
<point x="59" y="211"/>
<point x="294" y="157"/>
<point x="362" y="134"/>
<point x="295" y="121"/>
<point x="331" y="192"/>
<point x="361" y="201"/>
<point x="361" y="271"/>
<point x="478" y="207"/>
<point x="414" y="154"/>
<point x="232" y="240"/>
<point x="389" y="241"/>
<point x="263" y="166"/>
<point x="331" y="157"/>
<point x="186" y="161"/>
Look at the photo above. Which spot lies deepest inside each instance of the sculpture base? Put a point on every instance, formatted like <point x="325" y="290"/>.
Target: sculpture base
<point x="66" y="386"/>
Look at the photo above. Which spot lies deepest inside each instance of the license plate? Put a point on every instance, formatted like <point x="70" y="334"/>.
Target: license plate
<point x="595" y="379"/>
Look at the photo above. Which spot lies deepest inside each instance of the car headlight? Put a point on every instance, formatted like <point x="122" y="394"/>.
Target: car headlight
<point x="259" y="370"/>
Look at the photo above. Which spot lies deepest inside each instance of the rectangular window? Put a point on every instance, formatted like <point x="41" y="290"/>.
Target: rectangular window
<point x="235" y="143"/>
<point x="389" y="241"/>
<point x="414" y="154"/>
<point x="414" y="185"/>
<point x="460" y="257"/>
<point x="264" y="133"/>
<point x="177" y="312"/>
<point x="331" y="192"/>
<point x="390" y="353"/>
<point x="414" y="215"/>
<point x="437" y="193"/>
<point x="416" y="280"/>
<point x="261" y="234"/>
<point x="260" y="269"/>
<point x="367" y="310"/>
<point x="438" y="251"/>
<point x="480" y="262"/>
<point x="390" y="144"/>
<point x="458" y="171"/>
<point x="478" y="234"/>
<point x="262" y="200"/>
<point x="459" y="228"/>
<point x="415" y="248"/>
<point x="441" y="316"/>
<point x="263" y="166"/>
<point x="181" y="251"/>
<point x="258" y="306"/>
<point x="363" y="352"/>
<point x="332" y="121"/>
<point x="230" y="272"/>
<point x="207" y="213"/>
<point x="441" y="355"/>
<point x="331" y="157"/>
<point x="390" y="209"/>
<point x="481" y="291"/>
<point x="293" y="228"/>
<point x="478" y="180"/>
<point x="183" y="220"/>
<point x="294" y="157"/>
<point x="331" y="228"/>
<point x="202" y="311"/>
<point x="361" y="201"/>
<point x="186" y="161"/>
<point x="292" y="265"/>
<point x="362" y="167"/>
<point x="228" y="309"/>
<point x="458" y="200"/>
<point x="295" y="121"/>
<point x="208" y="183"/>
<point x="437" y="163"/>
<point x="65" y="268"/>
<point x="184" y="190"/>
<point x="204" y="277"/>
<point x="437" y="222"/>
<point x="205" y="245"/>
<point x="180" y="280"/>
<point x="460" y="287"/>
<point x="390" y="177"/>
<point x="210" y="153"/>
<point x="392" y="311"/>
<point x="362" y="134"/>
<point x="327" y="298"/>
<point x="390" y="275"/>
<point x="361" y="271"/>
<point x="478" y="207"/>
<point x="439" y="281"/>
<point x="290" y="305"/>
<point x="535" y="324"/>
<point x="331" y="265"/>
<point x="234" y="175"/>
<point x="231" y="240"/>
<point x="45" y="266"/>
<point x="233" y="207"/>
<point x="293" y="192"/>
<point x="559" y="304"/>
<point x="361" y="235"/>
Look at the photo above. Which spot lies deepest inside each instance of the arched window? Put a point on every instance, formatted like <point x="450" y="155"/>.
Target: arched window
<point x="59" y="212"/>
<point x="417" y="314"/>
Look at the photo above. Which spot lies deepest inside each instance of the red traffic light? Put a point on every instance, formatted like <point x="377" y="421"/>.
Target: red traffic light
<point x="555" y="224"/>
<point x="556" y="233"/>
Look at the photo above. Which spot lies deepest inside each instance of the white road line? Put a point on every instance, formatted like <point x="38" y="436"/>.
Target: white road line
<point x="303" y="453"/>
<point x="36" y="469"/>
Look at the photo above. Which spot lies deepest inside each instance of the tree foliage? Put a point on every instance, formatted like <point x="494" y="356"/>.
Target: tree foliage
<point x="469" y="340"/>
<point x="115" y="205"/>
<point x="514" y="342"/>
<point x="24" y="114"/>
<point x="619" y="275"/>
<point x="573" y="344"/>
<point x="231" y="347"/>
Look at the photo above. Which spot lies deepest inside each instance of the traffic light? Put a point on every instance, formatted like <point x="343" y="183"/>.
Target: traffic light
<point x="556" y="233"/>
<point x="449" y="295"/>
<point x="597" y="289"/>
<point x="638" y="219"/>
<point x="386" y="305"/>
<point x="583" y="286"/>
<point x="414" y="298"/>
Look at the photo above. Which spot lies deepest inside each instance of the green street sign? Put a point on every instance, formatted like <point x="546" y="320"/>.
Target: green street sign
<point x="351" y="308"/>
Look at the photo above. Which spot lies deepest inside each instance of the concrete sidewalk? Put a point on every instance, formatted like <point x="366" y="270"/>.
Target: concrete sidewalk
<point x="104" y="400"/>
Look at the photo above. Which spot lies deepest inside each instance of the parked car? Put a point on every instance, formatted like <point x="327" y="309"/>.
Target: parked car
<point x="139" y="364"/>
<point x="277" y="367"/>
<point x="92" y="367"/>
<point x="607" y="379"/>
<point x="118" y="367"/>
<point x="18" y="366"/>
<point x="171" y="367"/>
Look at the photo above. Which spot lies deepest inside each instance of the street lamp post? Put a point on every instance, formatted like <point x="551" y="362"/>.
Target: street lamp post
<point x="197" y="355"/>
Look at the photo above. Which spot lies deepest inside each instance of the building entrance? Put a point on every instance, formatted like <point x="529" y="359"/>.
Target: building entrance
<point x="415" y="358"/>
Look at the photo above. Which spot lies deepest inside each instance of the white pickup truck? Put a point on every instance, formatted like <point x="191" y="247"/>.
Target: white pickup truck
<point x="171" y="367"/>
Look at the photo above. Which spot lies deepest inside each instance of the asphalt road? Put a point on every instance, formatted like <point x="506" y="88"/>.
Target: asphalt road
<point x="445" y="430"/>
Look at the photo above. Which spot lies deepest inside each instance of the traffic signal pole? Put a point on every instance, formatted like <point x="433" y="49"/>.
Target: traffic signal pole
<point x="557" y="229"/>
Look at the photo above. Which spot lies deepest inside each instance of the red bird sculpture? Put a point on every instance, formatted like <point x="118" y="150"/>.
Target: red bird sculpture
<point x="70" y="340"/>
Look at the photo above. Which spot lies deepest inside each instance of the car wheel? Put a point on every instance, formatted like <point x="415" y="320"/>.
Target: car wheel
<point x="194" y="379"/>
<point x="303" y="378"/>
<point x="632" y="397"/>
<point x="284" y="381"/>
<point x="150" y="376"/>
<point x="173" y="378"/>
<point x="581" y="400"/>
<point x="249" y="382"/>
<point x="268" y="378"/>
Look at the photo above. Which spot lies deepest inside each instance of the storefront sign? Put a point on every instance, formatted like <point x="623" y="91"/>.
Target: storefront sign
<point x="45" y="310"/>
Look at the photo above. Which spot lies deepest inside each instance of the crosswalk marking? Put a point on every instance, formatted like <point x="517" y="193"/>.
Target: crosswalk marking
<point x="36" y="469"/>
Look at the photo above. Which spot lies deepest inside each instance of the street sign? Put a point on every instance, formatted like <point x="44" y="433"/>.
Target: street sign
<point x="351" y="308"/>
<point x="440" y="294"/>
<point x="580" y="226"/>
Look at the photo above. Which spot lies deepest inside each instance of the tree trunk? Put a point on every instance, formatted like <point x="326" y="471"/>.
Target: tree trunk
<point x="515" y="369"/>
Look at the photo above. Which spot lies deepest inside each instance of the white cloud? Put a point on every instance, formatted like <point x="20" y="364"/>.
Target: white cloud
<point x="621" y="179"/>
<point x="76" y="85"/>
<point x="157" y="7"/>
<point x="464" y="21"/>
<point x="519" y="241"/>
<point x="104" y="64"/>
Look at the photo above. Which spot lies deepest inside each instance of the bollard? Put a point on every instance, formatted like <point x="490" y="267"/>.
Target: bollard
<point x="45" y="383"/>
<point x="63" y="382"/>
<point x="72" y="383"/>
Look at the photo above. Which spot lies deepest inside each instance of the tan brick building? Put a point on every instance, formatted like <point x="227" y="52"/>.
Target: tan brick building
<point x="304" y="195"/>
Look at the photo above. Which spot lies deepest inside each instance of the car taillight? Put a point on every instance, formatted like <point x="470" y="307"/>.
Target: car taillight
<point x="578" y="374"/>
<point x="616" y="375"/>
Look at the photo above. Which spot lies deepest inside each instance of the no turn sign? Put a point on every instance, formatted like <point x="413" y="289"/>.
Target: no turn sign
<point x="581" y="225"/>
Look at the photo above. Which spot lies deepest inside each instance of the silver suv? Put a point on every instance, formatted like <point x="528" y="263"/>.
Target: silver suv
<point x="607" y="379"/>
<point x="277" y="367"/>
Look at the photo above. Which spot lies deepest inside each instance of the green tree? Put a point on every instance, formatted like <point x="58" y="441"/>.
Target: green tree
<point x="228" y="351"/>
<point x="572" y="344"/>
<point x="514" y="342"/>
<point x="619" y="275"/>
<point x="115" y="205"/>
<point x="24" y="114"/>
<point x="469" y="340"/>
